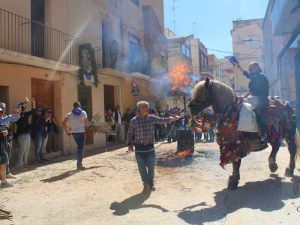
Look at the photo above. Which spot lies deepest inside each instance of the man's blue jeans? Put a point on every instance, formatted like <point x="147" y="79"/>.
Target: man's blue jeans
<point x="79" y="138"/>
<point x="146" y="162"/>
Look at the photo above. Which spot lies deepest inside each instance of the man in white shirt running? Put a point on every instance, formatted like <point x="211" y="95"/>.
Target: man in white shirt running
<point x="77" y="120"/>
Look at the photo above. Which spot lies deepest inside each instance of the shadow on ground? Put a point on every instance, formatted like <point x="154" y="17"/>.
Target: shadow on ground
<point x="64" y="157"/>
<point x="66" y="175"/>
<point x="265" y="195"/>
<point x="133" y="203"/>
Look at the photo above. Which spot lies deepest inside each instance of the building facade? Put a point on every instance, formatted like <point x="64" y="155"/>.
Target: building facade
<point x="200" y="64"/>
<point x="282" y="29"/>
<point x="223" y="70"/>
<point x="94" y="51"/>
<point x="248" y="45"/>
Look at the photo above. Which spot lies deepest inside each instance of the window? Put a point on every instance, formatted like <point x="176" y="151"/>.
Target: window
<point x="136" y="2"/>
<point x="133" y="53"/>
<point x="186" y="50"/>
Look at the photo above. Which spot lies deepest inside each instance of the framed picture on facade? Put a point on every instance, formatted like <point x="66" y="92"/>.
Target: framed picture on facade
<point x="87" y="63"/>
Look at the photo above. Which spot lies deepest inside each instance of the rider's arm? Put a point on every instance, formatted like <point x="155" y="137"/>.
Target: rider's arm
<point x="244" y="72"/>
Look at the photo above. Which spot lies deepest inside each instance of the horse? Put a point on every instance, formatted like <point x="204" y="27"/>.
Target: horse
<point x="234" y="145"/>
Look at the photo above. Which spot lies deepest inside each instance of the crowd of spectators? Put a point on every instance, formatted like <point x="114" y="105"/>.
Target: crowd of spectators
<point x="28" y="124"/>
<point x="37" y="125"/>
<point x="204" y="130"/>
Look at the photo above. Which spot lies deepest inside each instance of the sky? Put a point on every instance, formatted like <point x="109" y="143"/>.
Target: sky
<point x="211" y="20"/>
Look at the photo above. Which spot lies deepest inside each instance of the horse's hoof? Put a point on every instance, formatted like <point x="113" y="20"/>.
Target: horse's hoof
<point x="273" y="167"/>
<point x="289" y="172"/>
<point x="233" y="182"/>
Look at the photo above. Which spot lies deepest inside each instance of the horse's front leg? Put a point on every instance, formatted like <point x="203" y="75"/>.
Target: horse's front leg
<point x="292" y="150"/>
<point x="272" y="158"/>
<point x="235" y="177"/>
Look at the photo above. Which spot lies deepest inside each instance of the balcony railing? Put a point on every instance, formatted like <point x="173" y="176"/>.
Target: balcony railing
<point x="20" y="34"/>
<point x="206" y="69"/>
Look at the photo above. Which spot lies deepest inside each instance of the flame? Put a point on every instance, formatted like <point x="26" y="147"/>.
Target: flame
<point x="184" y="153"/>
<point x="179" y="77"/>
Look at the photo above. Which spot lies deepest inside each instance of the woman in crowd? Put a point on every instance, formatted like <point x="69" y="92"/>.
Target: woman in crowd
<point x="4" y="142"/>
<point x="52" y="131"/>
<point x="40" y="133"/>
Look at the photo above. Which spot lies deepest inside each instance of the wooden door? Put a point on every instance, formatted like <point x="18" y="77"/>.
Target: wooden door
<point x="109" y="97"/>
<point x="4" y="95"/>
<point x="43" y="93"/>
<point x="85" y="98"/>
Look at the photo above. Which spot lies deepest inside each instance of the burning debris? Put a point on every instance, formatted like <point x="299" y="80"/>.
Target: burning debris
<point x="184" y="153"/>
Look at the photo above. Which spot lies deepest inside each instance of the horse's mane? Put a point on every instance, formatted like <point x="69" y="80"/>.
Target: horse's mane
<point x="223" y="94"/>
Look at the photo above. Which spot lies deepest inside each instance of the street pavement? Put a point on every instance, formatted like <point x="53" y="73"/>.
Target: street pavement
<point x="191" y="191"/>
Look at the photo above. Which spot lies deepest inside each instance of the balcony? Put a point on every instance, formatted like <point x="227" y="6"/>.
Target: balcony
<point x="21" y="35"/>
<point x="207" y="71"/>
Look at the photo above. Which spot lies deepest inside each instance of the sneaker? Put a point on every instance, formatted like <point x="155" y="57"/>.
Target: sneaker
<point x="5" y="184"/>
<point x="146" y="189"/>
<point x="10" y="176"/>
<point x="81" y="168"/>
<point x="153" y="188"/>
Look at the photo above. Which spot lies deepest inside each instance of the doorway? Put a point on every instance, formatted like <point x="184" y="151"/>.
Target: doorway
<point x="109" y="97"/>
<point x="297" y="77"/>
<point x="37" y="27"/>
<point x="4" y="95"/>
<point x="85" y="98"/>
<point x="43" y="93"/>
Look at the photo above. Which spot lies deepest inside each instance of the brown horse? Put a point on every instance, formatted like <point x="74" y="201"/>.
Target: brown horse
<point x="235" y="145"/>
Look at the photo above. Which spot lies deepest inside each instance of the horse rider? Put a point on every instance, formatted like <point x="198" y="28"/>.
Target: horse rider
<point x="258" y="95"/>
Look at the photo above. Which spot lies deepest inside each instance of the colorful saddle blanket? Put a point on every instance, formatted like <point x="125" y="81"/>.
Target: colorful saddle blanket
<point x="281" y="122"/>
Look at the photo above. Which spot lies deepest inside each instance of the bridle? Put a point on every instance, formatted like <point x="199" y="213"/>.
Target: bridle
<point x="199" y="105"/>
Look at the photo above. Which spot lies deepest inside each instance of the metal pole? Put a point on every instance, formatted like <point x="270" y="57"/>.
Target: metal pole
<point x="184" y="105"/>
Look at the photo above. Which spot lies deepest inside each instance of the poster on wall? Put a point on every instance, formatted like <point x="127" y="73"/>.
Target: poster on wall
<point x="135" y="88"/>
<point x="87" y="62"/>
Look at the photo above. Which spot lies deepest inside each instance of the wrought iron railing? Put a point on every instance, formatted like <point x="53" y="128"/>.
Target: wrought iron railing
<point x="20" y="34"/>
<point x="206" y="69"/>
<point x="98" y="55"/>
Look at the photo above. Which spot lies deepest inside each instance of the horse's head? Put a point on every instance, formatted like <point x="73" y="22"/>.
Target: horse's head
<point x="202" y="97"/>
<point x="211" y="93"/>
